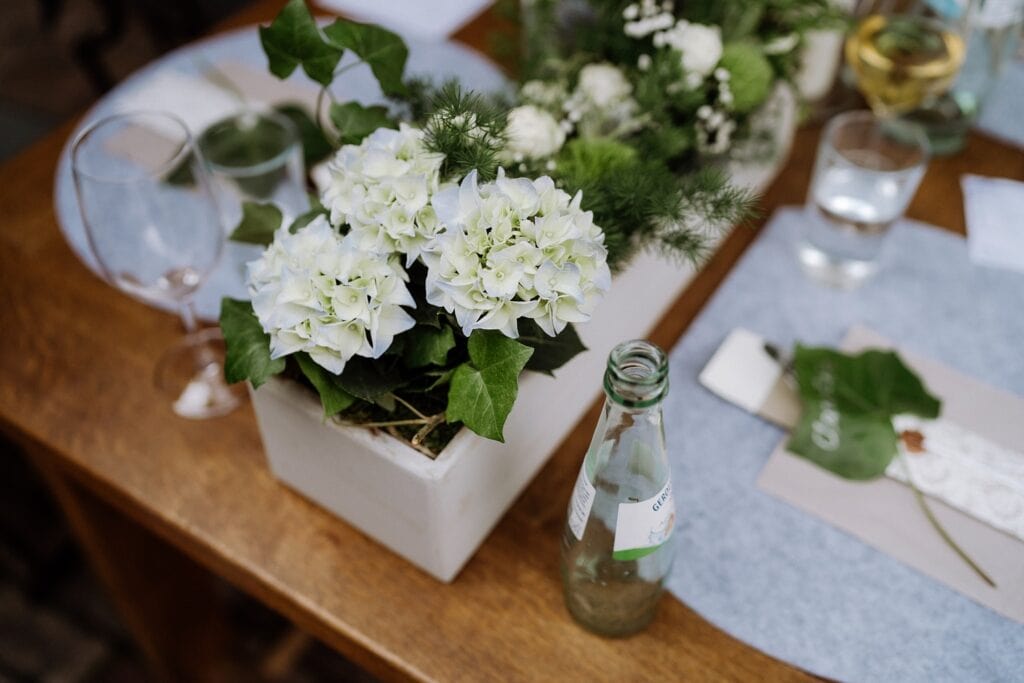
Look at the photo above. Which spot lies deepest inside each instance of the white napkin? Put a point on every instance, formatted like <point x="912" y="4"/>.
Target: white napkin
<point x="434" y="19"/>
<point x="994" y="209"/>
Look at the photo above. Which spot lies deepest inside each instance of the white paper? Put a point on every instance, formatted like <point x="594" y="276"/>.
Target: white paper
<point x="434" y="19"/>
<point x="194" y="100"/>
<point x="741" y="371"/>
<point x="994" y="209"/>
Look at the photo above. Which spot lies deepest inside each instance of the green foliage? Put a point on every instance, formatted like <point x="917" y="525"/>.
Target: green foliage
<point x="258" y="223"/>
<point x="371" y="378"/>
<point x="333" y="398"/>
<point x="425" y="345"/>
<point x="466" y="128"/>
<point x="315" y="145"/>
<point x="354" y="122"/>
<point x="848" y="405"/>
<point x="384" y="51"/>
<point x="751" y="75"/>
<point x="294" y="40"/>
<point x="248" y="346"/>
<point x="549" y="353"/>
<point x="483" y="390"/>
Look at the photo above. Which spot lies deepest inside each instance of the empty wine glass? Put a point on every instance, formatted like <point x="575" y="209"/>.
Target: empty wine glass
<point x="153" y="226"/>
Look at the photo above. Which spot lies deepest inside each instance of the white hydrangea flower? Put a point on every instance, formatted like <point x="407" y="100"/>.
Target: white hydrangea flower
<point x="317" y="292"/>
<point x="699" y="48"/>
<point x="532" y="133"/>
<point x="603" y="84"/>
<point x="544" y="94"/>
<point x="515" y="248"/>
<point x="381" y="189"/>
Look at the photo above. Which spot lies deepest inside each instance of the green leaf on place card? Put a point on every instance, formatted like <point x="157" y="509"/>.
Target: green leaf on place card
<point x="304" y="219"/>
<point x="368" y="379"/>
<point x="248" y="346"/>
<point x="483" y="391"/>
<point x="293" y="39"/>
<point x="354" y="122"/>
<point x="848" y="405"/>
<point x="258" y="224"/>
<point x="384" y="51"/>
<point x="333" y="397"/>
<point x="427" y="346"/>
<point x="315" y="145"/>
<point x="549" y="353"/>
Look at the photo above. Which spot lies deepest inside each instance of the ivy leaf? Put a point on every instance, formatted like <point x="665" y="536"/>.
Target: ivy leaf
<point x="428" y="346"/>
<point x="483" y="391"/>
<point x="383" y="50"/>
<point x="354" y="122"/>
<point x="304" y="219"/>
<point x="293" y="39"/>
<point x="870" y="382"/>
<point x="259" y="221"/>
<point x="368" y="379"/>
<point x="848" y="405"/>
<point x="315" y="145"/>
<point x="333" y="398"/>
<point x="854" y="446"/>
<point x="248" y="346"/>
<point x="549" y="353"/>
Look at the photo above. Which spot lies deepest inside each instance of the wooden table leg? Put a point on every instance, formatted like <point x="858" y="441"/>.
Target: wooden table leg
<point x="169" y="603"/>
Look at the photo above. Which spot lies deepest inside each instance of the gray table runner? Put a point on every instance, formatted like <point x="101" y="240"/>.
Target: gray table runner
<point x="784" y="581"/>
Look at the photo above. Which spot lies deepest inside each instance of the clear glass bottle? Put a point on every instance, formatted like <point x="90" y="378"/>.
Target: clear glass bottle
<point x="616" y="547"/>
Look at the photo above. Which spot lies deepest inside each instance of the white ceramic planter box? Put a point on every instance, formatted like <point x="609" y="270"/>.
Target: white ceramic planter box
<point x="435" y="513"/>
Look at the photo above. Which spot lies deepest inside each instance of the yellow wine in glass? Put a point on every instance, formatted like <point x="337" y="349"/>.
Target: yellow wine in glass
<point x="901" y="61"/>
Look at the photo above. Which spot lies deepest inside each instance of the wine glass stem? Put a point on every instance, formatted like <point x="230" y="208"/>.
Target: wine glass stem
<point x="188" y="317"/>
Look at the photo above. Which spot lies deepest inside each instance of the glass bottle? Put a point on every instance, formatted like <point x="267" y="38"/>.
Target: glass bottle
<point x="616" y="547"/>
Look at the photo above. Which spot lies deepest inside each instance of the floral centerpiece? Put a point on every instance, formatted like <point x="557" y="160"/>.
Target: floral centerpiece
<point x="455" y="240"/>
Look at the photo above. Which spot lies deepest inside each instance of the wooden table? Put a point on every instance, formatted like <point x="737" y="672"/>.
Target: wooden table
<point x="161" y="504"/>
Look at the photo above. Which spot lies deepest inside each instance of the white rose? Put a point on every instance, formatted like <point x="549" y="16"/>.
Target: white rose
<point x="699" y="46"/>
<point x="533" y="133"/>
<point x="603" y="84"/>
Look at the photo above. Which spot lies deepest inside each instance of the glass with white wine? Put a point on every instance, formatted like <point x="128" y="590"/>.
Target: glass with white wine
<point x="907" y="54"/>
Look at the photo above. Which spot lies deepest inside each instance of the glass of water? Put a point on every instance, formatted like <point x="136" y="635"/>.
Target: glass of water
<point x="254" y="156"/>
<point x="153" y="227"/>
<point x="866" y="173"/>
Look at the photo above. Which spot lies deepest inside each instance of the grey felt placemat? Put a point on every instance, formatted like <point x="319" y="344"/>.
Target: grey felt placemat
<point x="785" y="581"/>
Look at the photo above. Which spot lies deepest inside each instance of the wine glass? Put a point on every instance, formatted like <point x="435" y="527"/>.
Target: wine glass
<point x="906" y="53"/>
<point x="153" y="226"/>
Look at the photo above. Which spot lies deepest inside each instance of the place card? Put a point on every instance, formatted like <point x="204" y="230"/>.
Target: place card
<point x="968" y="461"/>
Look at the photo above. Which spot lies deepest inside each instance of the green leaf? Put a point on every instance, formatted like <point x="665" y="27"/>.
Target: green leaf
<point x="369" y="379"/>
<point x="483" y="391"/>
<point x="315" y="145"/>
<point x="354" y="121"/>
<point x="304" y="219"/>
<point x="874" y="382"/>
<point x="293" y="39"/>
<point x="248" y="346"/>
<point x="333" y="398"/>
<point x="428" y="346"/>
<point x="854" y="446"/>
<point x="848" y="404"/>
<point x="259" y="221"/>
<point x="383" y="50"/>
<point x="549" y="353"/>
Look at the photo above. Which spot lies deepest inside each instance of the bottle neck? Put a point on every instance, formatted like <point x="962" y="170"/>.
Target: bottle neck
<point x="637" y="375"/>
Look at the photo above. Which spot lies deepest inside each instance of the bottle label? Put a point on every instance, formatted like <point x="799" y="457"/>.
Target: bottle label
<point x="644" y="527"/>
<point x="582" y="501"/>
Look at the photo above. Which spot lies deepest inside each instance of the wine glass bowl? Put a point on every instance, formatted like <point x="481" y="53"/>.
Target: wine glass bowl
<point x="904" y="55"/>
<point x="153" y="226"/>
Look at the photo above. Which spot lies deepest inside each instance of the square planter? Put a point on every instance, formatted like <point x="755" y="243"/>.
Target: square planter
<point x="435" y="513"/>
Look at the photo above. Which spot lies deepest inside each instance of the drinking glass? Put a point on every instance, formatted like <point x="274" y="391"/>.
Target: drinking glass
<point x="254" y="156"/>
<point x="153" y="226"/>
<point x="906" y="53"/>
<point x="866" y="173"/>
